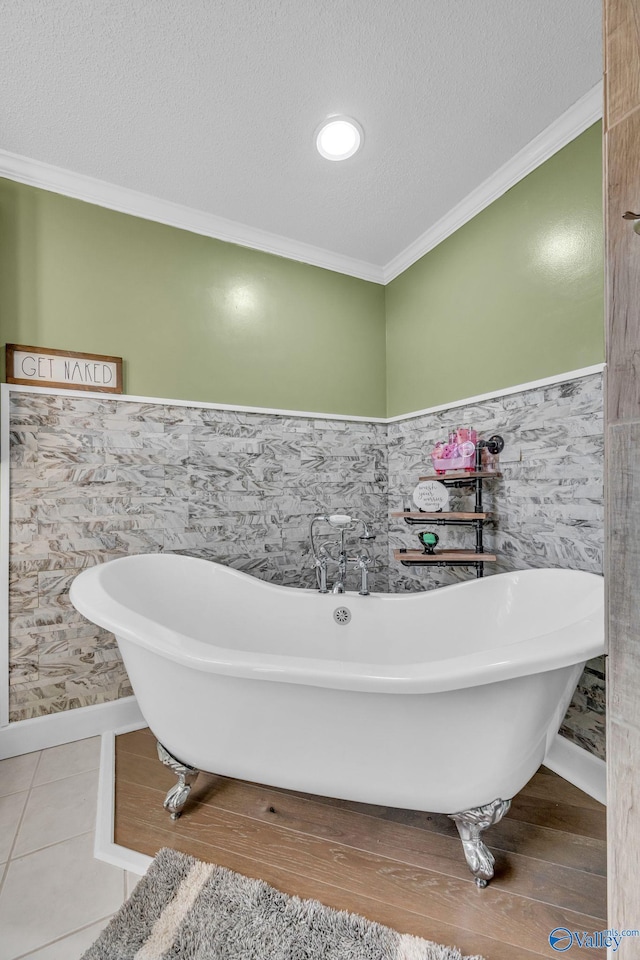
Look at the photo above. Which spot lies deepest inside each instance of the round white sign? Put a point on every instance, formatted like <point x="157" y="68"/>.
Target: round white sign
<point x="431" y="496"/>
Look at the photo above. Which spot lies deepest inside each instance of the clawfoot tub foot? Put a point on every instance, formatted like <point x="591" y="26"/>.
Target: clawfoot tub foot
<point x="471" y="824"/>
<point x="177" y="796"/>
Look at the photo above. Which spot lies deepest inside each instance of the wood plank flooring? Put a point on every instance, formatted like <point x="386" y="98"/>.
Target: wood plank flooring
<point x="402" y="868"/>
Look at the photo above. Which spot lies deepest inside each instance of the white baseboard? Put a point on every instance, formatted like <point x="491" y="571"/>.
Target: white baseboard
<point x="579" y="767"/>
<point x="104" y="847"/>
<point x="39" y="733"/>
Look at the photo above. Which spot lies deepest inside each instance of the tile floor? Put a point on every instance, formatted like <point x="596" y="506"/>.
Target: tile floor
<point x="54" y="896"/>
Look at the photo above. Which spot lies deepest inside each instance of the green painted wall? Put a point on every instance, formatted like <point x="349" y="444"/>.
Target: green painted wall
<point x="193" y="317"/>
<point x="514" y="295"/>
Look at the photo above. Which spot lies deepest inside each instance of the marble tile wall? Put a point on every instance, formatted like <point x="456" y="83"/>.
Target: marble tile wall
<point x="92" y="480"/>
<point x="548" y="507"/>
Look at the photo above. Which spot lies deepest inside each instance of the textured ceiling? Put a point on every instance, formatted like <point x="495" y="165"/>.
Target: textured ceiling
<point x="213" y="103"/>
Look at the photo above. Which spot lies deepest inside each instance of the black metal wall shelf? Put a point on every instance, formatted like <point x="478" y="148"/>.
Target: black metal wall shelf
<point x="476" y="518"/>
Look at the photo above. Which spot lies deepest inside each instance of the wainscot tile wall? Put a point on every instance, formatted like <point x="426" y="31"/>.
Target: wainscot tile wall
<point x="92" y="480"/>
<point x="548" y="508"/>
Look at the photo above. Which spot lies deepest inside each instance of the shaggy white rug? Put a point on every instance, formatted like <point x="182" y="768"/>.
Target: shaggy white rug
<point x="184" y="909"/>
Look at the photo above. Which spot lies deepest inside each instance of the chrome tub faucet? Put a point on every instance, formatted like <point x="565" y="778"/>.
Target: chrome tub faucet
<point x="322" y="555"/>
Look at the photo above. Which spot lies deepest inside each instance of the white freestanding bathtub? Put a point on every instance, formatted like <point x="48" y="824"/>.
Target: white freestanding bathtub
<point x="444" y="701"/>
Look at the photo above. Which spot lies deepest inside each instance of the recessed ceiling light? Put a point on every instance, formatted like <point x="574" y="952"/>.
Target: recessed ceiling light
<point x="339" y="138"/>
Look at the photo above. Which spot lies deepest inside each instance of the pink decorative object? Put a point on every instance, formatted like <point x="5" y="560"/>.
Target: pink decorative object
<point x="458" y="454"/>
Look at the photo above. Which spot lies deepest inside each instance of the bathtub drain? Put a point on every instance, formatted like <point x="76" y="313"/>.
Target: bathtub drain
<point x="342" y="615"/>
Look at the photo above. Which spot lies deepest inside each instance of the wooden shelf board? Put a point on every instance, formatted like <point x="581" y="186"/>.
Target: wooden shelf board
<point x="441" y="515"/>
<point x="462" y="475"/>
<point x="444" y="556"/>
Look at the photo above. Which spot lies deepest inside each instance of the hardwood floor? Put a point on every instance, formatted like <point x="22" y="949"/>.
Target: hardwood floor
<point x="402" y="868"/>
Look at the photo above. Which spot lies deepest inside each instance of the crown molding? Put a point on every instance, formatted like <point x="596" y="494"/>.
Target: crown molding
<point x="46" y="176"/>
<point x="558" y="134"/>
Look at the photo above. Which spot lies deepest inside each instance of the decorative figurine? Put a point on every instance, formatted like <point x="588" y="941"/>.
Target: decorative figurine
<point x="428" y="540"/>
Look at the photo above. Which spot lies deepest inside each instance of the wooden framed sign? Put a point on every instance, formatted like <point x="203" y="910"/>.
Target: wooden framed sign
<point x="42" y="367"/>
